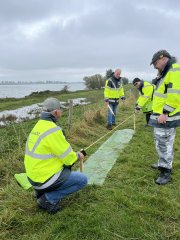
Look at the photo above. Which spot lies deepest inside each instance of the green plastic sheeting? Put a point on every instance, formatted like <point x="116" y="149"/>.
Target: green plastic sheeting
<point x="100" y="163"/>
<point x="22" y="179"/>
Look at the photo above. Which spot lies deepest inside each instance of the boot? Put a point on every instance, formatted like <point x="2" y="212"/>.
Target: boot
<point x="155" y="166"/>
<point x="109" y="127"/>
<point x="164" y="177"/>
<point x="47" y="206"/>
<point x="38" y="194"/>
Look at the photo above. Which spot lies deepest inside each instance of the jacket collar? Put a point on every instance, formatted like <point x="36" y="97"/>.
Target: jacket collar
<point x="48" y="117"/>
<point x="116" y="79"/>
<point x="168" y="66"/>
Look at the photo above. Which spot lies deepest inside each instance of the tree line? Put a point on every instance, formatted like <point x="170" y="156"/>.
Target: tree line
<point x="97" y="81"/>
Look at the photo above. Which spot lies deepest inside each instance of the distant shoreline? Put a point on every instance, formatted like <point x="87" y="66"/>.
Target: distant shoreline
<point x="25" y="89"/>
<point x="33" y="83"/>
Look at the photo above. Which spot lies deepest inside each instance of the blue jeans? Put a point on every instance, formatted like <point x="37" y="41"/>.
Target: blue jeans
<point x="75" y="182"/>
<point x="111" y="118"/>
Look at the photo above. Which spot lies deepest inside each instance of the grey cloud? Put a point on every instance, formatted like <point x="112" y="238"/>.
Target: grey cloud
<point x="94" y="34"/>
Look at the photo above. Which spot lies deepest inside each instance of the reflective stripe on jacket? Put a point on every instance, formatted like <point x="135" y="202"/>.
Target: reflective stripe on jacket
<point x="113" y="90"/>
<point x="145" y="99"/>
<point x="46" y="152"/>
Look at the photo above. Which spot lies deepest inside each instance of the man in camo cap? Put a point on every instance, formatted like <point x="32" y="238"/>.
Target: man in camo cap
<point x="166" y="111"/>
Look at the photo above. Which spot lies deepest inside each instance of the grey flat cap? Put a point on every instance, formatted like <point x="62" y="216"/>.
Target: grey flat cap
<point x="51" y="104"/>
<point x="158" y="55"/>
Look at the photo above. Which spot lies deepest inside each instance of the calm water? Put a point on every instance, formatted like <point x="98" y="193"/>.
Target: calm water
<point x="18" y="91"/>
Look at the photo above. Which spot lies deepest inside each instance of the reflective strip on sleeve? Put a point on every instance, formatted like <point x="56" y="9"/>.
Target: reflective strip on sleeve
<point x="169" y="119"/>
<point x="173" y="91"/>
<point x="160" y="95"/>
<point x="48" y="183"/>
<point x="39" y="156"/>
<point x="175" y="118"/>
<point x="168" y="108"/>
<point x="144" y="96"/>
<point x="65" y="153"/>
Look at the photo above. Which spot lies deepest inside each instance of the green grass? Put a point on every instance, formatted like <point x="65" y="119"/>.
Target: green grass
<point x="129" y="205"/>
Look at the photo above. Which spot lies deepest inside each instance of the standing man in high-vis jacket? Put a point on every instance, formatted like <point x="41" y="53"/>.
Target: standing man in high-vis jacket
<point x="166" y="111"/>
<point x="113" y="91"/>
<point x="144" y="102"/>
<point x="48" y="160"/>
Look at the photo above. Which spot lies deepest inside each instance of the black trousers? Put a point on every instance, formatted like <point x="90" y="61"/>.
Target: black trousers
<point x="148" y="115"/>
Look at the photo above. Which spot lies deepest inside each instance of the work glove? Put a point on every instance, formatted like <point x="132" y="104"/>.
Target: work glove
<point x="123" y="98"/>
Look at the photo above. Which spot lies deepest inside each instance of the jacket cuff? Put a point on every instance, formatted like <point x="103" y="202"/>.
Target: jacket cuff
<point x="165" y="111"/>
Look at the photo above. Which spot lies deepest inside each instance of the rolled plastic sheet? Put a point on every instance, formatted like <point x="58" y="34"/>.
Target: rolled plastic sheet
<point x="97" y="166"/>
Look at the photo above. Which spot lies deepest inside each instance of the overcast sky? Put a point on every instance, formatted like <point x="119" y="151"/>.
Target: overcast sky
<point x="66" y="40"/>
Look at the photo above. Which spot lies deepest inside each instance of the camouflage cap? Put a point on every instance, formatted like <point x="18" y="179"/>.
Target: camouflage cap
<point x="158" y="55"/>
<point x="51" y="104"/>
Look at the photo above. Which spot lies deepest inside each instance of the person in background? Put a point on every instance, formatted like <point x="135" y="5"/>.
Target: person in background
<point x="48" y="160"/>
<point x="144" y="102"/>
<point x="166" y="111"/>
<point x="112" y="93"/>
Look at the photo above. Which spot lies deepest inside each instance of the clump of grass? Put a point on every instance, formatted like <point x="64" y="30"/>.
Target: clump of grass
<point x="93" y="117"/>
<point x="100" y="116"/>
<point x="82" y="134"/>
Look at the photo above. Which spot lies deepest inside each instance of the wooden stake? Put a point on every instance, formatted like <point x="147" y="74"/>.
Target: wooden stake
<point x="134" y="118"/>
<point x="81" y="165"/>
<point x="70" y="113"/>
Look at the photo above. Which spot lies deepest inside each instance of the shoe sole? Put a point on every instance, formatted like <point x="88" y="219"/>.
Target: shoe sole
<point x="48" y="211"/>
<point x="163" y="183"/>
<point x="153" y="167"/>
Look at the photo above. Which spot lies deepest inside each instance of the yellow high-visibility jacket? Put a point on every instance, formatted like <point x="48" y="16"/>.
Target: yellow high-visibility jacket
<point x="47" y="151"/>
<point x="167" y="95"/>
<point x="166" y="98"/>
<point x="144" y="101"/>
<point x="113" y="90"/>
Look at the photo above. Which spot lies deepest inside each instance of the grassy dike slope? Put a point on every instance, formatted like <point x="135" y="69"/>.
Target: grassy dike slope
<point x="128" y="206"/>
